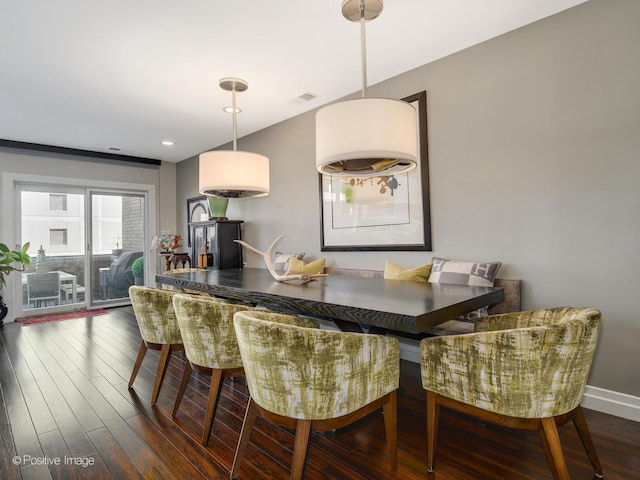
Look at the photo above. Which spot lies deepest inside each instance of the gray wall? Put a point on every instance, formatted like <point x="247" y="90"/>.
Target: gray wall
<point x="534" y="139"/>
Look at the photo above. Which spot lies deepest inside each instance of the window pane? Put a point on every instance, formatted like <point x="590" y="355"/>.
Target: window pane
<point x="58" y="236"/>
<point x="57" y="201"/>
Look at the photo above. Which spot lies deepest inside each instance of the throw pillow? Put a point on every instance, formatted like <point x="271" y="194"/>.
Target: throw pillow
<point x="465" y="273"/>
<point x="297" y="267"/>
<point x="280" y="264"/>
<point x="393" y="271"/>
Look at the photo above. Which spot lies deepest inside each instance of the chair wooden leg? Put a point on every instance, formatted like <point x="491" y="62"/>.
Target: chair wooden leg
<point x="433" y="416"/>
<point x="547" y="451"/>
<point x="556" y="458"/>
<point x="303" y="432"/>
<point x="245" y="434"/>
<point x="583" y="430"/>
<point x="136" y="366"/>
<point x="390" y="410"/>
<point x="165" y="356"/>
<point x="186" y="375"/>
<point x="212" y="404"/>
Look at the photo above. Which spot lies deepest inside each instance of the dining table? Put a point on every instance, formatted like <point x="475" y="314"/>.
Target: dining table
<point x="389" y="305"/>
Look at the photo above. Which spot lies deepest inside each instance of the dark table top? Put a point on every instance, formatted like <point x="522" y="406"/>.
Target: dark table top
<point x="403" y="306"/>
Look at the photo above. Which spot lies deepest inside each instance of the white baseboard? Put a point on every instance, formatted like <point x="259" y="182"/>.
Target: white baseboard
<point x="613" y="403"/>
<point x="594" y="398"/>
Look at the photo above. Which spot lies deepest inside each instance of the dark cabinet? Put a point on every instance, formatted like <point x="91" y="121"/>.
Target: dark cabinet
<point x="220" y="236"/>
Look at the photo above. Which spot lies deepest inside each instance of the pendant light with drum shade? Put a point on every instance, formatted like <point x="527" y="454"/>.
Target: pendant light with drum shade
<point x="225" y="174"/>
<point x="366" y="137"/>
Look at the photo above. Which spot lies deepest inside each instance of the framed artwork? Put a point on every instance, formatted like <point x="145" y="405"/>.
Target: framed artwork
<point x="197" y="211"/>
<point x="389" y="212"/>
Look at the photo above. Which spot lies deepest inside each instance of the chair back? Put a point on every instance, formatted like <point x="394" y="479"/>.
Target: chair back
<point x="206" y="326"/>
<point x="526" y="364"/>
<point x="43" y="285"/>
<point x="153" y="308"/>
<point x="312" y="374"/>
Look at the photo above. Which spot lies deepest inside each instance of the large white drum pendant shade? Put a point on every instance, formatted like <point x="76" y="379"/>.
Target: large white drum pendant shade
<point x="233" y="174"/>
<point x="366" y="136"/>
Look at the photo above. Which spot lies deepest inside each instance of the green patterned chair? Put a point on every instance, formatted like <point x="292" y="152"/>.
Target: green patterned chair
<point x="210" y="345"/>
<point x="153" y="308"/>
<point x="523" y="370"/>
<point x="309" y="379"/>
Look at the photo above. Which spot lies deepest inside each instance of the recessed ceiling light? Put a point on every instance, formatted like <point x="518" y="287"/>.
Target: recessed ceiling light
<point x="168" y="143"/>
<point x="115" y="149"/>
<point x="307" y="96"/>
<point x="230" y="110"/>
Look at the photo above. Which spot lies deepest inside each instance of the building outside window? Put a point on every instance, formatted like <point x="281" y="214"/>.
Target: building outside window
<point x="58" y="236"/>
<point x="57" y="201"/>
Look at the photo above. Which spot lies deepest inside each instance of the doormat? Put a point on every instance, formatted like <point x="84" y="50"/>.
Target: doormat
<point x="62" y="316"/>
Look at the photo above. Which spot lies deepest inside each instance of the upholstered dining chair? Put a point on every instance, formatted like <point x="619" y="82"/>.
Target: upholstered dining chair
<point x="310" y="379"/>
<point x="153" y="308"/>
<point x="524" y="370"/>
<point x="210" y="345"/>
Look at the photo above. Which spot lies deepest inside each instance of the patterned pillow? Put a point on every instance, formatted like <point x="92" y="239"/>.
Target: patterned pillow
<point x="393" y="271"/>
<point x="280" y="264"/>
<point x="465" y="273"/>
<point x="299" y="267"/>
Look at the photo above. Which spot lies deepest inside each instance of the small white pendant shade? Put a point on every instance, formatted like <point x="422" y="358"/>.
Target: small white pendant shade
<point x="233" y="174"/>
<point x="366" y="137"/>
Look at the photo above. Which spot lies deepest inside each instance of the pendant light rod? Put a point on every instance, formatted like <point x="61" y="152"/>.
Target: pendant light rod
<point x="234" y="85"/>
<point x="363" y="49"/>
<point x="235" y="121"/>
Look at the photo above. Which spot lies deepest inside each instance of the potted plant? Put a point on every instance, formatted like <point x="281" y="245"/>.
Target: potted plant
<point x="137" y="270"/>
<point x="10" y="261"/>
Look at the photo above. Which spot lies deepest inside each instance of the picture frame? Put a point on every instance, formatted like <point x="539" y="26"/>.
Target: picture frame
<point x="197" y="211"/>
<point x="386" y="213"/>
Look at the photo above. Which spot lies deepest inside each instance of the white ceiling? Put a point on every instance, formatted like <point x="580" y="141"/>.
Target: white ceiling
<point x="127" y="74"/>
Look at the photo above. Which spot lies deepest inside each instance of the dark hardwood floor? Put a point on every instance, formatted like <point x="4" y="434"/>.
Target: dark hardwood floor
<point x="66" y="412"/>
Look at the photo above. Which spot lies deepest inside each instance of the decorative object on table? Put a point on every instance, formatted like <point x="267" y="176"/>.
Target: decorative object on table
<point x="205" y="259"/>
<point x="233" y="173"/>
<point x="167" y="242"/>
<point x="137" y="270"/>
<point x="11" y="261"/>
<point x="218" y="208"/>
<point x="41" y="261"/>
<point x="384" y="212"/>
<point x="366" y="136"/>
<point x="266" y="256"/>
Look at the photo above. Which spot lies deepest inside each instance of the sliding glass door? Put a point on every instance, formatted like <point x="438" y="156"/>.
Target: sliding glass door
<point x="117" y="245"/>
<point x="86" y="246"/>
<point x="53" y="221"/>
